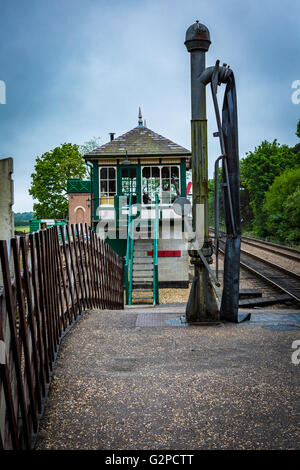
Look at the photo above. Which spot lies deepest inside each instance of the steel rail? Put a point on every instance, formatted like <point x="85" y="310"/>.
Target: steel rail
<point x="271" y="265"/>
<point x="264" y="277"/>
<point x="268" y="246"/>
<point x="273" y="248"/>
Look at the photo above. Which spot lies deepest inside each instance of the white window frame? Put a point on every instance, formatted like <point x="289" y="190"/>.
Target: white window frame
<point x="107" y="194"/>
<point x="160" y="177"/>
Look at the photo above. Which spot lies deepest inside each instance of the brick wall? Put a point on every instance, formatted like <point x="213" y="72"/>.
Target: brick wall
<point x="79" y="212"/>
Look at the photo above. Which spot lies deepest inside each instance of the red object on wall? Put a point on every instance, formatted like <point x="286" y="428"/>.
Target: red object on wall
<point x="188" y="188"/>
<point x="166" y="253"/>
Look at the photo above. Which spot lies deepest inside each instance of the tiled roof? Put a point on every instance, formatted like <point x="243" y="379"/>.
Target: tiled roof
<point x="140" y="141"/>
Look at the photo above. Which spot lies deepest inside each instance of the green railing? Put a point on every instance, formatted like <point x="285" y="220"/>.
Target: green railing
<point x="129" y="257"/>
<point x="131" y="230"/>
<point x="155" y="253"/>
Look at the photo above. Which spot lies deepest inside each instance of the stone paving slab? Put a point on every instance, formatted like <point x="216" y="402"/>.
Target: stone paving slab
<point x="120" y="386"/>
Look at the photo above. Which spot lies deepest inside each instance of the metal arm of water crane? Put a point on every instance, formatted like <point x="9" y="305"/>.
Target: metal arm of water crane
<point x="182" y="206"/>
<point x="217" y="78"/>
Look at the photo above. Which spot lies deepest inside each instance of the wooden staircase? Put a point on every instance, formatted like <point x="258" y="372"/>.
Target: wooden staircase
<point x="142" y="270"/>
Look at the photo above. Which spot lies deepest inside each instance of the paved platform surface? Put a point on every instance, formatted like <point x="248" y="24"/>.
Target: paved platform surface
<point x="120" y="386"/>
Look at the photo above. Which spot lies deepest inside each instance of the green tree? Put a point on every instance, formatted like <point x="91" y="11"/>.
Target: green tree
<point x="296" y="148"/>
<point x="258" y="170"/>
<point x="49" y="180"/>
<point x="89" y="145"/>
<point x="23" y="216"/>
<point x="211" y="202"/>
<point x="298" y="129"/>
<point x="282" y="207"/>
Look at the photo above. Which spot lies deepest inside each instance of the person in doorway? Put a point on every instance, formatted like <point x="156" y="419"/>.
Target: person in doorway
<point x="146" y="198"/>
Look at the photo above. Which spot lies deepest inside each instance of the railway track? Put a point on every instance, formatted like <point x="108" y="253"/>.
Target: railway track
<point x="279" y="278"/>
<point x="287" y="252"/>
<point x="282" y="250"/>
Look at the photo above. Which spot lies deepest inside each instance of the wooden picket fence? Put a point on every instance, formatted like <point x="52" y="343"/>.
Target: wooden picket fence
<point x="50" y="278"/>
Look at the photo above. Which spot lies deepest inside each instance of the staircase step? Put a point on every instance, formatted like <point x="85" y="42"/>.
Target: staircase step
<point x="140" y="255"/>
<point x="142" y="269"/>
<point x="141" y="284"/>
<point x="145" y="264"/>
<point x="142" y="248"/>
<point x="141" y="290"/>
<point x="142" y="277"/>
<point x="143" y="261"/>
<point x="142" y="298"/>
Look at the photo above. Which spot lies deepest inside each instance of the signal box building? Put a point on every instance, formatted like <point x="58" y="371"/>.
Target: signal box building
<point x="138" y="175"/>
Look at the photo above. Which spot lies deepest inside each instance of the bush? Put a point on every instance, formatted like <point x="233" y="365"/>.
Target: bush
<point x="282" y="207"/>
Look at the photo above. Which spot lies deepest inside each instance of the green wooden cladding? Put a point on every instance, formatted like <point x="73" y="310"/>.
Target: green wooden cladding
<point x="78" y="186"/>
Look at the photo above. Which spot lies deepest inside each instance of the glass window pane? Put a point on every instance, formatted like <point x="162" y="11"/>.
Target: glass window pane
<point x="112" y="186"/>
<point x="165" y="172"/>
<point x="165" y="184"/>
<point x="146" y="172"/>
<point x="165" y="197"/>
<point x="173" y="197"/>
<point x="103" y="173"/>
<point x="125" y="185"/>
<point x="111" y="173"/>
<point x="175" y="171"/>
<point x="124" y="172"/>
<point x="145" y="184"/>
<point x="173" y="189"/>
<point x="103" y="187"/>
<point x="155" y="171"/>
<point x="155" y="182"/>
<point x="132" y="172"/>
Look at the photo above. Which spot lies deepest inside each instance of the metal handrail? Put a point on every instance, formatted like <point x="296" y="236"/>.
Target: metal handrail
<point x="155" y="254"/>
<point x="128" y="257"/>
<point x="131" y="231"/>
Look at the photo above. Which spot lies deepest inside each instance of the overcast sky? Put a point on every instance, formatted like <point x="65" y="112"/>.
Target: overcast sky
<point x="75" y="69"/>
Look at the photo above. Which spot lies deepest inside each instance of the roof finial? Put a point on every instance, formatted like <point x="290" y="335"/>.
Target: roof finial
<point x="140" y="121"/>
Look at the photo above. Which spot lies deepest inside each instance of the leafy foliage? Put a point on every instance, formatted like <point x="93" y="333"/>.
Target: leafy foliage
<point x="49" y="180"/>
<point x="24" y="216"/>
<point x="282" y="207"/>
<point x="258" y="171"/>
<point x="298" y="129"/>
<point x="89" y="145"/>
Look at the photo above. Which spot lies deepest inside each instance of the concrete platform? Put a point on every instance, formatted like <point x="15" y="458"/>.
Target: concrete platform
<point x="118" y="385"/>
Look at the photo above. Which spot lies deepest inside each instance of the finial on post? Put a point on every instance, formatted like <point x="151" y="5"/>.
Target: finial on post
<point x="197" y="37"/>
<point x="140" y="121"/>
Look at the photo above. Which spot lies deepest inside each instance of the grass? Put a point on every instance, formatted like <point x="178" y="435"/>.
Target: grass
<point x="23" y="228"/>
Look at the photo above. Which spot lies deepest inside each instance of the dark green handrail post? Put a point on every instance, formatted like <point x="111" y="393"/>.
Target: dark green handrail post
<point x="131" y="260"/>
<point x="155" y="254"/>
<point x="126" y="277"/>
<point x="117" y="210"/>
